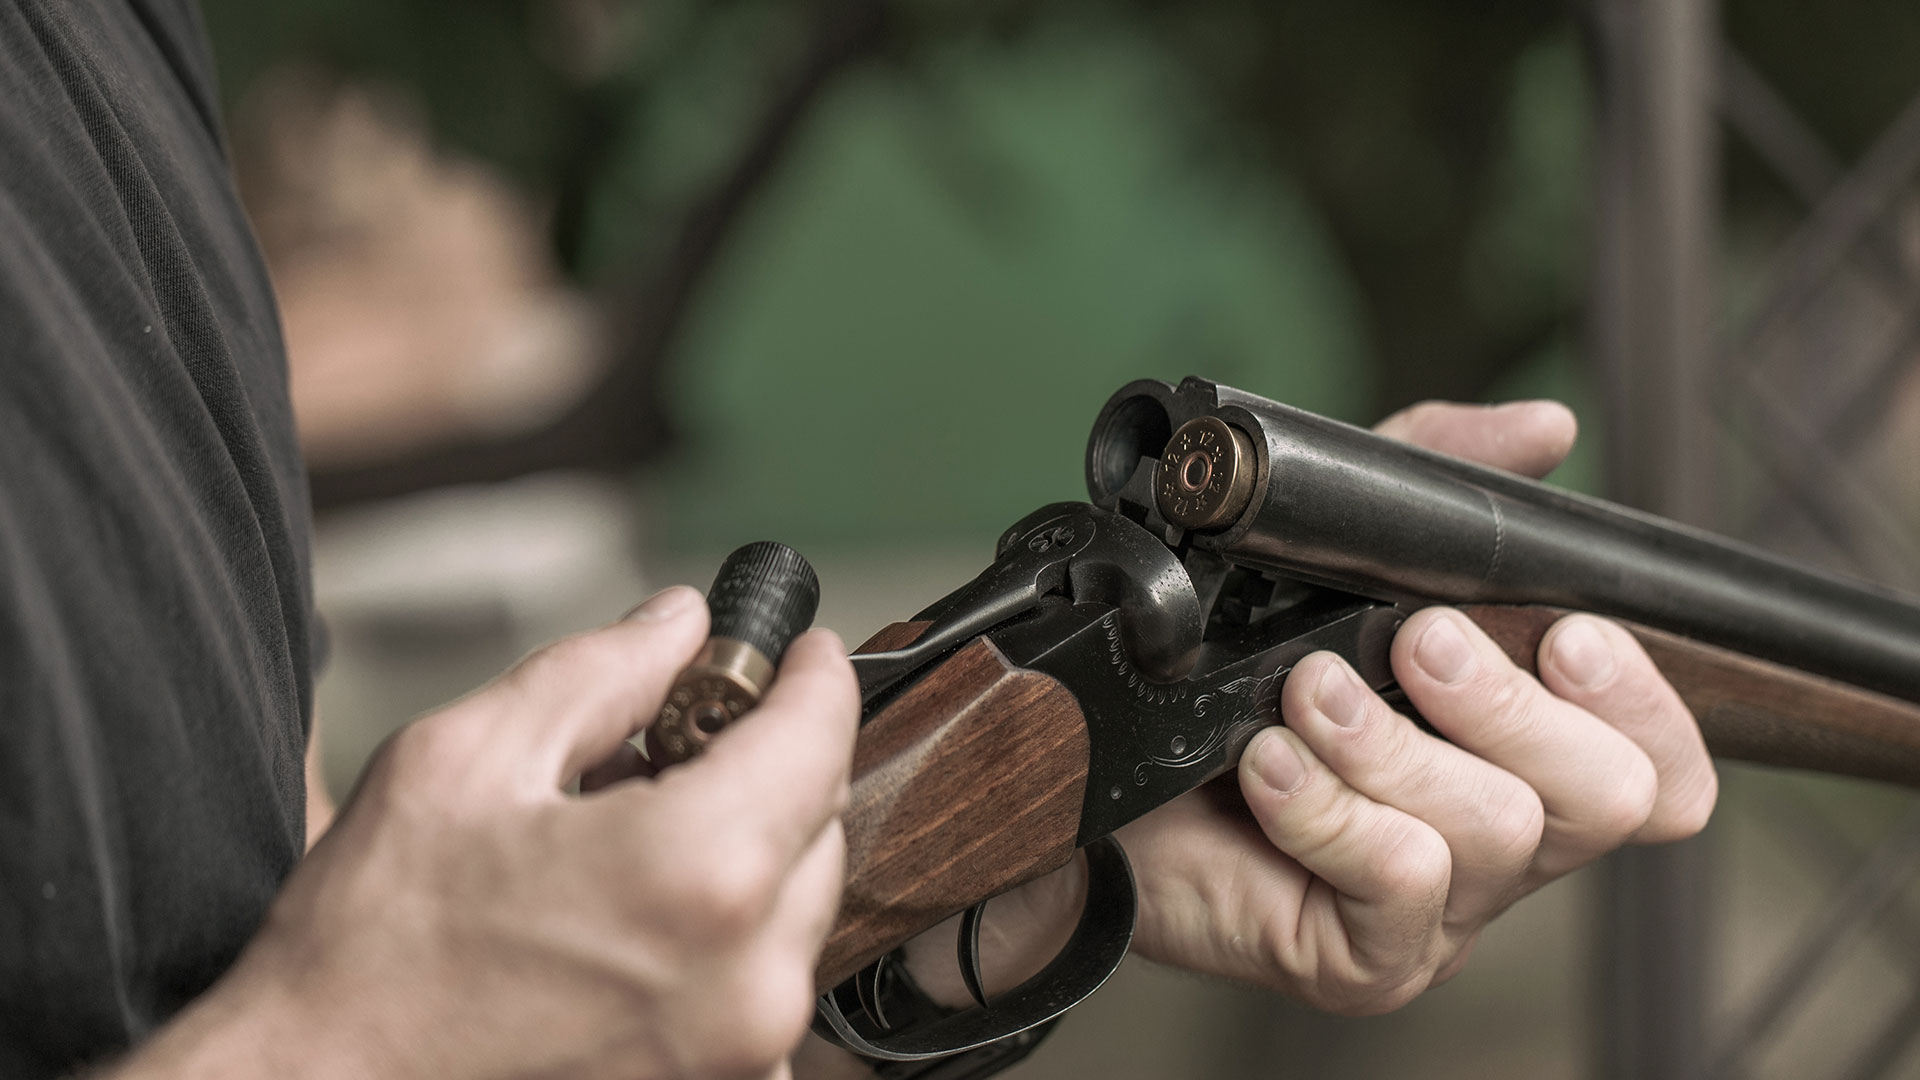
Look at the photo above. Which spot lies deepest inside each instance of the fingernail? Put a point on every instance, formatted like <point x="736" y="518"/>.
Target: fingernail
<point x="668" y="603"/>
<point x="1582" y="654"/>
<point x="1339" y="696"/>
<point x="1443" y="651"/>
<point x="1276" y="763"/>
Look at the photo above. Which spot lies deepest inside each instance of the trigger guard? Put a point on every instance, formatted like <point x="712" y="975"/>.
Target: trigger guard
<point x="1098" y="945"/>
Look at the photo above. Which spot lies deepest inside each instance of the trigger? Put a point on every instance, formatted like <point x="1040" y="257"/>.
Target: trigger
<point x="970" y="952"/>
<point x="867" y="989"/>
<point x="1098" y="944"/>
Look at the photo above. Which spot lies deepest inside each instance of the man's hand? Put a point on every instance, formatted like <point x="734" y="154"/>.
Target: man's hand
<point x="1355" y="859"/>
<point x="1362" y="856"/>
<point x="466" y="916"/>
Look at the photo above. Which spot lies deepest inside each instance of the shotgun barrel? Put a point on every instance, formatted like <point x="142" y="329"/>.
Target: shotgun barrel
<point x="1341" y="505"/>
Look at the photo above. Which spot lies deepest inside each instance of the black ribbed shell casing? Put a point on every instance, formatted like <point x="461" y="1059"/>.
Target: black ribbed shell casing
<point x="765" y="595"/>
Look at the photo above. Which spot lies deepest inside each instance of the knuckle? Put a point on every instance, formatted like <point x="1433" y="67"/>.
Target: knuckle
<point x="1510" y="711"/>
<point x="1699" y="809"/>
<point x="1687" y="814"/>
<point x="1361" y="995"/>
<point x="1400" y="754"/>
<point x="1282" y="950"/>
<point x="423" y="751"/>
<point x="728" y="896"/>
<point x="1419" y="867"/>
<point x="1327" y="826"/>
<point x="1416" y="864"/>
<point x="1517" y="820"/>
<point x="417" y="774"/>
<point x="1687" y="822"/>
<point x="1455" y="963"/>
<point x="1390" y="997"/>
<point x="1510" y="698"/>
<point x="1628" y="805"/>
<point x="1398" y="995"/>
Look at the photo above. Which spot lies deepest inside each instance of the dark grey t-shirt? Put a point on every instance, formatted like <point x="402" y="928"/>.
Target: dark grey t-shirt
<point x="154" y="598"/>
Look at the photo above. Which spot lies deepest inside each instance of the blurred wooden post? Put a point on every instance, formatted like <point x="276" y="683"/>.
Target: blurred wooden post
<point x="1651" y="333"/>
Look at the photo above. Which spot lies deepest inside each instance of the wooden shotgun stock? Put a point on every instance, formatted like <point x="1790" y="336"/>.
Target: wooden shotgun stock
<point x="971" y="782"/>
<point x="967" y="785"/>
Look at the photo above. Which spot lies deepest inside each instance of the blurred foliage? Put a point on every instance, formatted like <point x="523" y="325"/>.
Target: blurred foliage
<point x="995" y="211"/>
<point x="887" y="351"/>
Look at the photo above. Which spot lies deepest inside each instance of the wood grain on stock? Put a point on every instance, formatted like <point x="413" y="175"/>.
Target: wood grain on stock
<point x="1754" y="710"/>
<point x="966" y="785"/>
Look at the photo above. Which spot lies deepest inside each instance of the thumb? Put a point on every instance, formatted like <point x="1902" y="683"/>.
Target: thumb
<point x="578" y="699"/>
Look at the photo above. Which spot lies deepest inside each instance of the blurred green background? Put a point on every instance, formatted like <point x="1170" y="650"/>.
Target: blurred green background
<point x="981" y="218"/>
<point x="990" y="216"/>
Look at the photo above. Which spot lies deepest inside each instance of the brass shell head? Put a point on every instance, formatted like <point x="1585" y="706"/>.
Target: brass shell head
<point x="1205" y="479"/>
<point x="727" y="677"/>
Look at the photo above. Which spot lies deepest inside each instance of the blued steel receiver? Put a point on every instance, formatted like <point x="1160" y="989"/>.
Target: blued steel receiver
<point x="763" y="597"/>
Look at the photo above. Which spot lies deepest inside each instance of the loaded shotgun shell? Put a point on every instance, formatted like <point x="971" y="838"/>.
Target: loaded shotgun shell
<point x="1205" y="478"/>
<point x="763" y="597"/>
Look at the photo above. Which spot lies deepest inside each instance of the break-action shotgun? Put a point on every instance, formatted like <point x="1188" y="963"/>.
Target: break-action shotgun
<point x="1121" y="652"/>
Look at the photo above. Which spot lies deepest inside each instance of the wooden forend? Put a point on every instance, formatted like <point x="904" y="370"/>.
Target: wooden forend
<point x="1753" y="710"/>
<point x="966" y="785"/>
